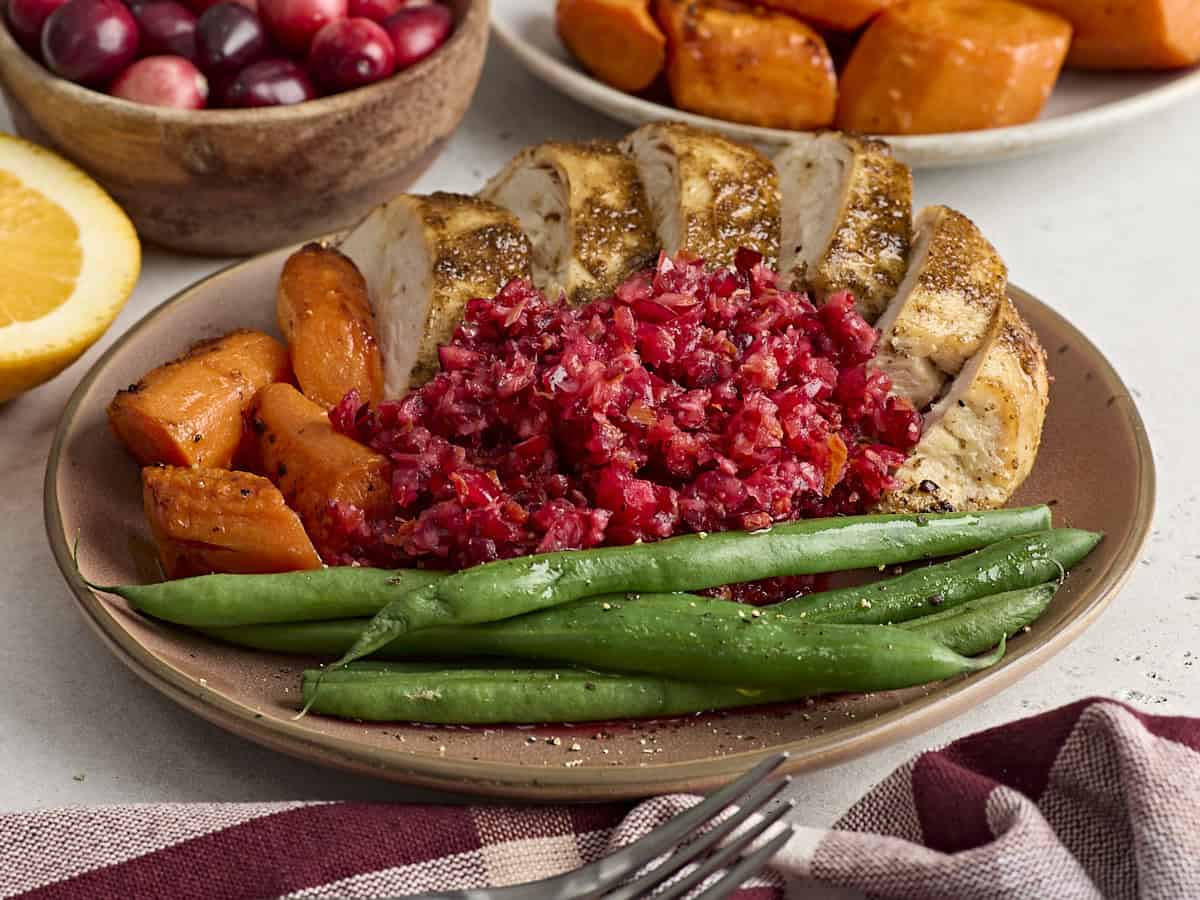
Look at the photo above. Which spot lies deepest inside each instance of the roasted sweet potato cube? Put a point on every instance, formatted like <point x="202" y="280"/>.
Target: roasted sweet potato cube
<point x="189" y="411"/>
<point x="1130" y="34"/>
<point x="747" y="64"/>
<point x="836" y="15"/>
<point x="324" y="475"/>
<point x="216" y="520"/>
<point x="930" y="66"/>
<point x="615" y="40"/>
<point x="325" y="317"/>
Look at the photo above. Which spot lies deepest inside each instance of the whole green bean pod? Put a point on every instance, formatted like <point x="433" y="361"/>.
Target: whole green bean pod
<point x="473" y="695"/>
<point x="512" y="587"/>
<point x="1013" y="563"/>
<point x="978" y="625"/>
<point x="704" y="640"/>
<point x="206" y="601"/>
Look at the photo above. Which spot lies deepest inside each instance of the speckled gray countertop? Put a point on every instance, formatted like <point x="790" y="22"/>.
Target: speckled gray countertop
<point x="1103" y="231"/>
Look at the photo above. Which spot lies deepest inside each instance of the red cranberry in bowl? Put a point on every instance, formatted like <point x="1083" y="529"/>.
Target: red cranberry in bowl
<point x="228" y="38"/>
<point x="378" y="10"/>
<point x="89" y="41"/>
<point x="269" y="82"/>
<point x="168" y="28"/>
<point x="294" y="22"/>
<point x="350" y="53"/>
<point x="201" y="6"/>
<point x="27" y="18"/>
<point x="418" y="31"/>
<point x="163" y="81"/>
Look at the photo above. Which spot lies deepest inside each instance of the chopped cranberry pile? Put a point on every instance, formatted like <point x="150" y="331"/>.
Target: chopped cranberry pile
<point x="689" y="401"/>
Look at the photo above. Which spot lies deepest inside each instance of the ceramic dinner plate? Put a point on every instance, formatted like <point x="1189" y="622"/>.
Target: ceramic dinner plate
<point x="92" y="491"/>
<point x="1083" y="103"/>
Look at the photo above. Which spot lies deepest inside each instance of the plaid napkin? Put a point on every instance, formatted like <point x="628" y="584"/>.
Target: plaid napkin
<point x="1090" y="800"/>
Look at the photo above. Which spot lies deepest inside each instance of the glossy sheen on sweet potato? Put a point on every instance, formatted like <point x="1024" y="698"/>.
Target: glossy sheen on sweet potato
<point x="615" y="40"/>
<point x="189" y="411"/>
<point x="837" y="15"/>
<point x="325" y="317"/>
<point x="1130" y="34"/>
<point x="314" y="466"/>
<point x="214" y="520"/>
<point x="747" y="64"/>
<point x="932" y="66"/>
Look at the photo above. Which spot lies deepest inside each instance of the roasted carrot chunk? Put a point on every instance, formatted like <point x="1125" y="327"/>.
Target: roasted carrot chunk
<point x="615" y="40"/>
<point x="747" y="64"/>
<point x="837" y="15"/>
<point x="1130" y="34"/>
<point x="215" y="520"/>
<point x="326" y="477"/>
<point x="325" y="317"/>
<point x="930" y="66"/>
<point x="189" y="412"/>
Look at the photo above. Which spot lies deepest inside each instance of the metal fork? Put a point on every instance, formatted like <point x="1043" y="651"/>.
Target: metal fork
<point x="607" y="877"/>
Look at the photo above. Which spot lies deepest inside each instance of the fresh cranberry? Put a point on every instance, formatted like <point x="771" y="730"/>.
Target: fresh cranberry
<point x="294" y="22"/>
<point x="418" y="31"/>
<point x="89" y="41"/>
<point x="163" y="81"/>
<point x="229" y="37"/>
<point x="199" y="7"/>
<point x="269" y="82"/>
<point x="378" y="10"/>
<point x="350" y="53"/>
<point x="27" y="18"/>
<point x="168" y="29"/>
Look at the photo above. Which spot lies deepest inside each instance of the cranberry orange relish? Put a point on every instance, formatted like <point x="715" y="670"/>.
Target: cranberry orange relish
<point x="689" y="401"/>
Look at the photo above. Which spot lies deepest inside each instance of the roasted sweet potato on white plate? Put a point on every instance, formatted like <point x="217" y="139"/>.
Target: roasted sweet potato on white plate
<point x="616" y="40"/>
<point x="1130" y="34"/>
<point x="747" y="64"/>
<point x="935" y="66"/>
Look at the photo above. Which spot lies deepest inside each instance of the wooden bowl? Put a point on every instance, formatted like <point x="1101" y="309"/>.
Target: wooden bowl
<point x="234" y="182"/>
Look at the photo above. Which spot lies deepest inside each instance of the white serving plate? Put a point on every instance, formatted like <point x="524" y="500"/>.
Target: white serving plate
<point x="1084" y="104"/>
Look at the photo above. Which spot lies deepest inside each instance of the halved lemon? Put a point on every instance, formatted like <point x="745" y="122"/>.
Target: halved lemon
<point x="69" y="258"/>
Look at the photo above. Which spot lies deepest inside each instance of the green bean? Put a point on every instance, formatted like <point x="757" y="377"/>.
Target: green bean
<point x="492" y="695"/>
<point x="511" y="587"/>
<point x="1013" y="563"/>
<point x="979" y="624"/>
<point x="704" y="640"/>
<point x="225" y="600"/>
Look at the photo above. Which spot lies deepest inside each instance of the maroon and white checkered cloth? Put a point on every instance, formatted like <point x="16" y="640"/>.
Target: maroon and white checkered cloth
<point x="1091" y="800"/>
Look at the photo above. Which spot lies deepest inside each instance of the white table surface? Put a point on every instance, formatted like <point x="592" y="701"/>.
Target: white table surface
<point x="1105" y="232"/>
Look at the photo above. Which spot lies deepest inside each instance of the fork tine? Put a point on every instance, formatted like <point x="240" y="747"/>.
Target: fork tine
<point x="754" y="801"/>
<point x="741" y="873"/>
<point x="593" y="880"/>
<point x="722" y="857"/>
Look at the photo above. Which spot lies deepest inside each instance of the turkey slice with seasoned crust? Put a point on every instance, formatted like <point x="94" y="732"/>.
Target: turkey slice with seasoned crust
<point x="423" y="258"/>
<point x="941" y="314"/>
<point x="708" y="195"/>
<point x="846" y="218"/>
<point x="982" y="438"/>
<point x="584" y="212"/>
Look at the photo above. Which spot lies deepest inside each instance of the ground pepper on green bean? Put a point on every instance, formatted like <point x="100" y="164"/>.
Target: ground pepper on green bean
<point x="477" y="695"/>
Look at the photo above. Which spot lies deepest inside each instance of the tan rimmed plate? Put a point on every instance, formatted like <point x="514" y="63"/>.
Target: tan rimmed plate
<point x="92" y="491"/>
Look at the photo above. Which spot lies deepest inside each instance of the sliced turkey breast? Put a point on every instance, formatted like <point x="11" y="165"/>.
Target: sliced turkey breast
<point x="982" y="438"/>
<point x="584" y="212"/>
<point x="941" y="314"/>
<point x="847" y="218"/>
<point x="423" y="258"/>
<point x="708" y="195"/>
